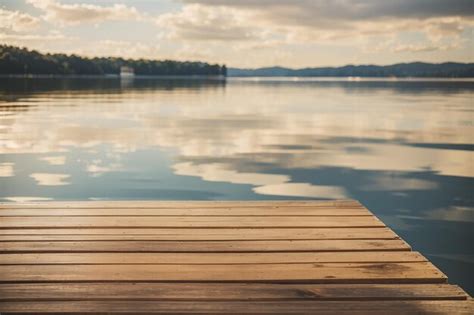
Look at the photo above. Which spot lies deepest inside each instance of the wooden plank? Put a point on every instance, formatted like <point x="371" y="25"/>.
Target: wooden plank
<point x="205" y="246"/>
<point x="181" y="204"/>
<point x="229" y="211"/>
<point x="226" y="292"/>
<point x="180" y="234"/>
<point x="417" y="272"/>
<point x="226" y="307"/>
<point x="181" y="237"/>
<point x="285" y="307"/>
<point x="188" y="222"/>
<point x="208" y="258"/>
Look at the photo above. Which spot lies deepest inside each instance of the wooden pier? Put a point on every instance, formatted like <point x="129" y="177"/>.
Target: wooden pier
<point x="278" y="257"/>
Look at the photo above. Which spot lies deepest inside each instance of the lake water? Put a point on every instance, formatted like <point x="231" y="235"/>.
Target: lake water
<point x="402" y="148"/>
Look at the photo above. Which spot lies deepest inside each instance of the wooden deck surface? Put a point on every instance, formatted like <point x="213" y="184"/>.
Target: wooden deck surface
<point x="278" y="257"/>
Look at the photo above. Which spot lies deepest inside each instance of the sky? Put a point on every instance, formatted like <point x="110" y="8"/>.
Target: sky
<point x="247" y="33"/>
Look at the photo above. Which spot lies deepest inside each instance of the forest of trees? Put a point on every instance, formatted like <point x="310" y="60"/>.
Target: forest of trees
<point x="16" y="60"/>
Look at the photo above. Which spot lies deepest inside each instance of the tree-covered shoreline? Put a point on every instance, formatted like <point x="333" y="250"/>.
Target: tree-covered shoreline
<point x="400" y="70"/>
<point x="22" y="61"/>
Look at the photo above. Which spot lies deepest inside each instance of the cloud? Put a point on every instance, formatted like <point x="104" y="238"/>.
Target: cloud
<point x="276" y="26"/>
<point x="17" y="21"/>
<point x="196" y="22"/>
<point x="70" y="14"/>
<point x="312" y="11"/>
<point x="52" y="36"/>
<point x="436" y="29"/>
<point x="345" y="17"/>
<point x="424" y="47"/>
<point x="415" y="48"/>
<point x="122" y="48"/>
<point x="35" y="41"/>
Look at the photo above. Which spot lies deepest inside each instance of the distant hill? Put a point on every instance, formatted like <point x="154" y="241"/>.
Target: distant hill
<point x="414" y="69"/>
<point x="21" y="61"/>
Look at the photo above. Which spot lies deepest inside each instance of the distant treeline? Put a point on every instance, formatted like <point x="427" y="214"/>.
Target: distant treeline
<point x="15" y="60"/>
<point x="414" y="69"/>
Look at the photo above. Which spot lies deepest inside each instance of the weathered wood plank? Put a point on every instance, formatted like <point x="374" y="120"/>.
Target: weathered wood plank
<point x="229" y="211"/>
<point x="417" y="272"/>
<point x="182" y="234"/>
<point x="205" y="246"/>
<point x="188" y="222"/>
<point x="181" y="204"/>
<point x="226" y="292"/>
<point x="209" y="258"/>
<point x="244" y="307"/>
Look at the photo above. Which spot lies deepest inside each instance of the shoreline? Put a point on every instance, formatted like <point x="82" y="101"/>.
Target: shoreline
<point x="242" y="78"/>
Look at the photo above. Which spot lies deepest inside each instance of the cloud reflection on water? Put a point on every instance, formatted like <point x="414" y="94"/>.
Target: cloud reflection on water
<point x="215" y="130"/>
<point x="48" y="179"/>
<point x="6" y="169"/>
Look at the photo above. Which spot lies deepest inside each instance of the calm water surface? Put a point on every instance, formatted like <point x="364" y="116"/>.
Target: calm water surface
<point x="404" y="149"/>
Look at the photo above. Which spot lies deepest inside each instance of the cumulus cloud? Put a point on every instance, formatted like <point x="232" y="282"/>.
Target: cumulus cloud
<point x="70" y="14"/>
<point x="196" y="22"/>
<point x="436" y="29"/>
<point x="17" y="21"/>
